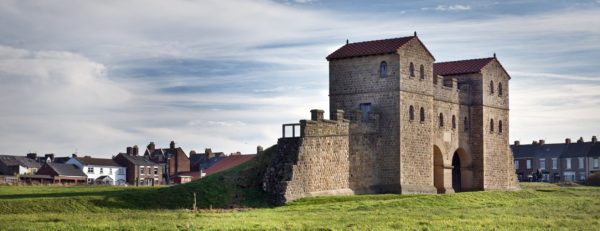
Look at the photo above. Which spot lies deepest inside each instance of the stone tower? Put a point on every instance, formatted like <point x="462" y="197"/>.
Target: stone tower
<point x="414" y="126"/>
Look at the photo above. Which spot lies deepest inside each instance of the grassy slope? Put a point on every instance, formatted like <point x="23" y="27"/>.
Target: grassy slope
<point x="236" y="187"/>
<point x="537" y="206"/>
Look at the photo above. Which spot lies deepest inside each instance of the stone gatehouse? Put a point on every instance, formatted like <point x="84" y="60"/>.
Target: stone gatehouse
<point x="399" y="123"/>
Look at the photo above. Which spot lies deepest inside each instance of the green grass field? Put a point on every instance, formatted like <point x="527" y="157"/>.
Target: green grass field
<point x="537" y="206"/>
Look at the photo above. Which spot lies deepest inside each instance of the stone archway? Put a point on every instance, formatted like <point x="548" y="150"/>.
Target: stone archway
<point x="438" y="170"/>
<point x="456" y="173"/>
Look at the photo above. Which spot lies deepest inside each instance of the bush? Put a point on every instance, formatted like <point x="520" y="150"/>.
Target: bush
<point x="594" y="179"/>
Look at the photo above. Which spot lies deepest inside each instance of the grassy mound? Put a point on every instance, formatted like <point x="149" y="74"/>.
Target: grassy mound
<point x="240" y="186"/>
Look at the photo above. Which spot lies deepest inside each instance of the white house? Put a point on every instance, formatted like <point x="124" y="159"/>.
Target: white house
<point x="100" y="171"/>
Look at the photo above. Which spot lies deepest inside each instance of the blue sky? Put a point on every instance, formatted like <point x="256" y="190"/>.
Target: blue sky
<point x="96" y="76"/>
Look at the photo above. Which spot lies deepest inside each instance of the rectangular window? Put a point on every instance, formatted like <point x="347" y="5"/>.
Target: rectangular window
<point x="516" y="164"/>
<point x="581" y="162"/>
<point x="101" y="170"/>
<point x="141" y="170"/>
<point x="596" y="162"/>
<point x="542" y="163"/>
<point x="365" y="108"/>
<point x="568" y="163"/>
<point x="90" y="169"/>
<point x="155" y="170"/>
<point x="582" y="176"/>
<point x="554" y="163"/>
<point x="528" y="164"/>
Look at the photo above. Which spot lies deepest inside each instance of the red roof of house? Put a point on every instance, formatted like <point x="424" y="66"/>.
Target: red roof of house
<point x="228" y="162"/>
<point x="460" y="67"/>
<point x="375" y="47"/>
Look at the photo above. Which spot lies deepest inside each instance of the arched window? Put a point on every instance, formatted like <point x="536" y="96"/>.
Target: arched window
<point x="441" y="120"/>
<point x="500" y="126"/>
<point x="422" y="72"/>
<point x="411" y="113"/>
<point x="383" y="69"/>
<point x="466" y="124"/>
<point x="491" y="86"/>
<point x="453" y="122"/>
<point x="422" y="115"/>
<point x="411" y="69"/>
<point x="491" y="125"/>
<point x="499" y="89"/>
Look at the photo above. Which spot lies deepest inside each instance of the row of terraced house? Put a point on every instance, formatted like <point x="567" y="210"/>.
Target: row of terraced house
<point x="568" y="161"/>
<point x="153" y="166"/>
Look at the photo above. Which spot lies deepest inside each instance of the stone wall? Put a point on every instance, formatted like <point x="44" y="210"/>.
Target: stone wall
<point x="317" y="163"/>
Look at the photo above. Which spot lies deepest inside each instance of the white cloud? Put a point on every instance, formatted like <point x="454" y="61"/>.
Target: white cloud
<point x="453" y="8"/>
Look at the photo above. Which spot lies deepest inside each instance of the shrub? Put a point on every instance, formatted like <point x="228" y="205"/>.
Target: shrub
<point x="594" y="179"/>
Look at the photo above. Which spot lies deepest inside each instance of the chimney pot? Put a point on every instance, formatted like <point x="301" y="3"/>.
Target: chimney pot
<point x="567" y="140"/>
<point x="172" y="144"/>
<point x="316" y="114"/>
<point x="534" y="142"/>
<point x="517" y="143"/>
<point x="594" y="139"/>
<point x="135" y="150"/>
<point x="542" y="142"/>
<point x="129" y="151"/>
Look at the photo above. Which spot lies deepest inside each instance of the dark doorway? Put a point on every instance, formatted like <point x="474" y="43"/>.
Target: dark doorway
<point x="456" y="173"/>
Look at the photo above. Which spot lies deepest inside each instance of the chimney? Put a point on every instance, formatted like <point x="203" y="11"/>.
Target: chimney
<point x="316" y="114"/>
<point x="32" y="156"/>
<point x="594" y="139"/>
<point x="517" y="143"/>
<point x="135" y="150"/>
<point x="568" y="141"/>
<point x="580" y="140"/>
<point x="172" y="145"/>
<point x="209" y="153"/>
<point x="51" y="156"/>
<point x="129" y="151"/>
<point x="534" y="142"/>
<point x="74" y="155"/>
<point x="150" y="146"/>
<point x="259" y="150"/>
<point x="542" y="142"/>
<point x="337" y="115"/>
<point x="192" y="152"/>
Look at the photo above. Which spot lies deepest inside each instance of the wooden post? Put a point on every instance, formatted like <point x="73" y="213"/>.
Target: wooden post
<point x="194" y="205"/>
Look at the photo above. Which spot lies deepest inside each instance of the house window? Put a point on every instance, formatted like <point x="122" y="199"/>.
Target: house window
<point x="422" y="72"/>
<point x="596" y="164"/>
<point x="582" y="176"/>
<point x="365" y="108"/>
<point x="121" y="171"/>
<point x="90" y="169"/>
<point x="155" y="170"/>
<point x="568" y="163"/>
<point x="542" y="163"/>
<point x="141" y="170"/>
<point x="581" y="162"/>
<point x="411" y="113"/>
<point x="500" y="126"/>
<point x="491" y="125"/>
<point x="499" y="89"/>
<point x="422" y="115"/>
<point x="554" y="163"/>
<point x="516" y="164"/>
<point x="528" y="162"/>
<point x="110" y="171"/>
<point x="101" y="170"/>
<point x="441" y="120"/>
<point x="383" y="69"/>
<point x="411" y="70"/>
<point x="466" y="124"/>
<point x="491" y="87"/>
<point x="453" y="122"/>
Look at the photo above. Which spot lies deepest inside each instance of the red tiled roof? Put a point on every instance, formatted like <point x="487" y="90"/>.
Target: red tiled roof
<point x="228" y="162"/>
<point x="460" y="66"/>
<point x="376" y="47"/>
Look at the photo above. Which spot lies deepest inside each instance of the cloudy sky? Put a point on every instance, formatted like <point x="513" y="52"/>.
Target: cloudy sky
<point x="96" y="76"/>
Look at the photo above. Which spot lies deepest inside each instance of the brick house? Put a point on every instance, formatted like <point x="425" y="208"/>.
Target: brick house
<point x="174" y="161"/>
<point x="62" y="173"/>
<point x="573" y="160"/>
<point x="140" y="170"/>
